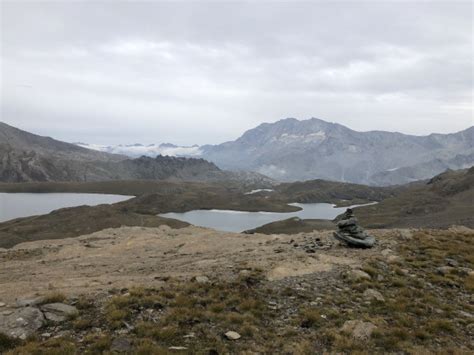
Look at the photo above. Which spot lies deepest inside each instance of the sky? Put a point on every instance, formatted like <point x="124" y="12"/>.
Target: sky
<point x="116" y="72"/>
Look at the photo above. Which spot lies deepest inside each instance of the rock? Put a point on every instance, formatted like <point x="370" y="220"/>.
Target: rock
<point x="452" y="262"/>
<point x="58" y="312"/>
<point x="244" y="272"/>
<point x="22" y="322"/>
<point x="371" y="294"/>
<point x="357" y="275"/>
<point x="444" y="270"/>
<point x="392" y="259"/>
<point x="202" y="279"/>
<point x="358" y="329"/>
<point x="386" y="252"/>
<point x="466" y="314"/>
<point x="355" y="242"/>
<point x="460" y="229"/>
<point x="231" y="335"/>
<point x="2" y="304"/>
<point x="405" y="234"/>
<point x="350" y="233"/>
<point x="349" y="222"/>
<point x="177" y="348"/>
<point x="470" y="328"/>
<point x="121" y="345"/>
<point x="26" y="302"/>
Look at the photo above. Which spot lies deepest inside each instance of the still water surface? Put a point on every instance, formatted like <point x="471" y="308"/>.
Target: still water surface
<point x="15" y="205"/>
<point x="237" y="221"/>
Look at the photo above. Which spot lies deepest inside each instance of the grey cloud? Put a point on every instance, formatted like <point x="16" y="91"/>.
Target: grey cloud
<point x="124" y="72"/>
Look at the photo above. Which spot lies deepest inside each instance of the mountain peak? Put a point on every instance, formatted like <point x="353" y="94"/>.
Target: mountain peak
<point x="292" y="149"/>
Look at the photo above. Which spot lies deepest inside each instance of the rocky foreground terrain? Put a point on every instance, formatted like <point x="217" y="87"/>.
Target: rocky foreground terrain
<point x="195" y="290"/>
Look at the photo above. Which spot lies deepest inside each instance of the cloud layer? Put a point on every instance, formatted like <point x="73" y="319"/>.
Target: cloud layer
<point x="124" y="72"/>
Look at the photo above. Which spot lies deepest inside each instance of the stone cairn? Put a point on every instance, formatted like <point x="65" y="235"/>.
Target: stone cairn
<point x="351" y="233"/>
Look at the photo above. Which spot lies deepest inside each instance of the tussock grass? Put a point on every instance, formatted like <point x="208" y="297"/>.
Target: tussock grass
<point x="54" y="297"/>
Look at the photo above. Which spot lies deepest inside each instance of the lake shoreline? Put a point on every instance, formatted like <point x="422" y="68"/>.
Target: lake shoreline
<point x="23" y="204"/>
<point x="244" y="221"/>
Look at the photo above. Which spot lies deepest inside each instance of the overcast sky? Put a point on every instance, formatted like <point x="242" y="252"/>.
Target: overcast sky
<point x="151" y="72"/>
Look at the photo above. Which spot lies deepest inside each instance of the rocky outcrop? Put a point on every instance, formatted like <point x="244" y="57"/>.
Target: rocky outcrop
<point x="58" y="312"/>
<point x="22" y="322"/>
<point x="29" y="317"/>
<point x="351" y="233"/>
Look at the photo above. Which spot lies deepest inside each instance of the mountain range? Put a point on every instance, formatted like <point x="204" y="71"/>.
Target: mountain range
<point x="151" y="150"/>
<point x="294" y="150"/>
<point x="26" y="157"/>
<point x="291" y="150"/>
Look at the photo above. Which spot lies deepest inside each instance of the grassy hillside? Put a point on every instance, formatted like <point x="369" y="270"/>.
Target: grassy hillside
<point x="445" y="200"/>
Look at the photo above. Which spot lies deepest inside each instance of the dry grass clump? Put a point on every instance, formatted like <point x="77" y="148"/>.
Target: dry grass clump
<point x="310" y="318"/>
<point x="7" y="342"/>
<point x="60" y="346"/>
<point x="54" y="297"/>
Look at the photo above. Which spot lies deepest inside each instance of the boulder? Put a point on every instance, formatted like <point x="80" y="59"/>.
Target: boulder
<point x="372" y="295"/>
<point x="121" y="345"/>
<point x="22" y="322"/>
<point x="394" y="259"/>
<point x="58" y="312"/>
<point x="386" y="252"/>
<point x="444" y="270"/>
<point x="358" y="275"/>
<point x="202" y="279"/>
<point x="358" y="329"/>
<point x="231" y="335"/>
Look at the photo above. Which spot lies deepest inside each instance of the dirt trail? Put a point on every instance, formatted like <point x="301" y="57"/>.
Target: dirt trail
<point x="127" y="256"/>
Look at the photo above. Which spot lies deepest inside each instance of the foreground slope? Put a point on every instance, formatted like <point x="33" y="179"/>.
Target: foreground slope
<point x="158" y="290"/>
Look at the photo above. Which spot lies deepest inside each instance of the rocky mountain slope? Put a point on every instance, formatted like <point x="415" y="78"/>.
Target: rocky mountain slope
<point x="445" y="200"/>
<point x="290" y="150"/>
<point x="27" y="157"/>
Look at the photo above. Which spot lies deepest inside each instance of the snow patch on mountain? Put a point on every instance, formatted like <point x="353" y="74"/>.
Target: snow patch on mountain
<point x="315" y="136"/>
<point x="152" y="150"/>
